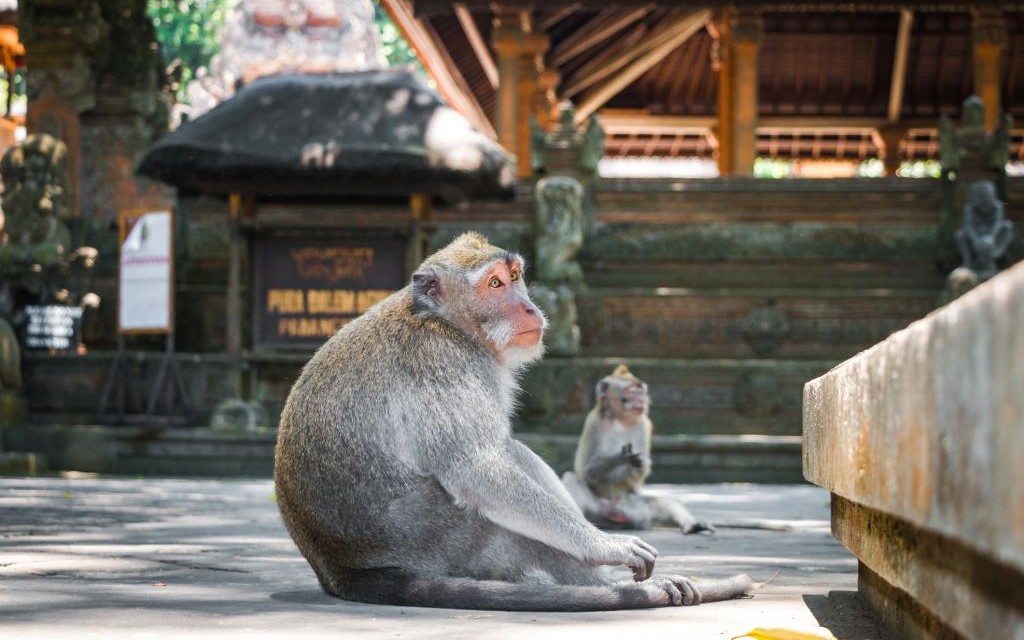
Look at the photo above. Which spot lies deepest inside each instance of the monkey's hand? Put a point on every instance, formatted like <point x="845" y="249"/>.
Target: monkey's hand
<point x="630" y="551"/>
<point x="630" y="457"/>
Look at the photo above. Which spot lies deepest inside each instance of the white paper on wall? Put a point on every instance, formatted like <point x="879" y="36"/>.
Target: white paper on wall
<point x="145" y="278"/>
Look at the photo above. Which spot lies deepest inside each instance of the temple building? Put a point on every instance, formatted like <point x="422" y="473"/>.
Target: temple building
<point x="724" y="294"/>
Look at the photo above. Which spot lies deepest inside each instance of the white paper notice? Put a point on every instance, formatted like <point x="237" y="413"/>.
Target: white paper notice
<point x="145" y="281"/>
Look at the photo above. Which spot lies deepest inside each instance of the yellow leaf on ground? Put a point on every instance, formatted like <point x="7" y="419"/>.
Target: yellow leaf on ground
<point x="807" y="633"/>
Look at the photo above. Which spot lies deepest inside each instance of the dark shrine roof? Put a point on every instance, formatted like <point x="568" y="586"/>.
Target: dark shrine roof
<point x="375" y="134"/>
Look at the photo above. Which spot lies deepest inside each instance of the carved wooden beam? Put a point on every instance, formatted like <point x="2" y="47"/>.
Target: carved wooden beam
<point x="443" y="7"/>
<point x="558" y="15"/>
<point x="604" y="64"/>
<point x="602" y="26"/>
<point x="899" y="64"/>
<point x="439" y="65"/>
<point x="483" y="54"/>
<point x="681" y="31"/>
<point x="639" y="121"/>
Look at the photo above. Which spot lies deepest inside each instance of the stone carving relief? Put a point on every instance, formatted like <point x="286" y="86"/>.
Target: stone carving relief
<point x="765" y="328"/>
<point x="985" y="233"/>
<point x="968" y="153"/>
<point x="266" y="37"/>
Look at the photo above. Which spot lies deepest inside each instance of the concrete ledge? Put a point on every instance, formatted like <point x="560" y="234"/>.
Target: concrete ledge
<point x="920" y="439"/>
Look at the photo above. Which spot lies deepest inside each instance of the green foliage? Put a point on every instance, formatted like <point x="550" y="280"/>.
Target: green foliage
<point x="189" y="31"/>
<point x="396" y="50"/>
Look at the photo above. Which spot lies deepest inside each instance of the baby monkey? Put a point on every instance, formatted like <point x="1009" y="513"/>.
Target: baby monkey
<point x="613" y="459"/>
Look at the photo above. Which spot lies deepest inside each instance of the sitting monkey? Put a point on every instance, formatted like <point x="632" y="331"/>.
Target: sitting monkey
<point x="397" y="475"/>
<point x="613" y="459"/>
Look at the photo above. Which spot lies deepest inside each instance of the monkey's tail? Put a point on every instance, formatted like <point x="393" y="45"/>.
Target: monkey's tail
<point x="397" y="587"/>
<point x="726" y="589"/>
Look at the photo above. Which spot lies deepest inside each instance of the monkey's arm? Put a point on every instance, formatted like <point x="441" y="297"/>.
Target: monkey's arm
<point x="622" y="467"/>
<point x="600" y="467"/>
<point x="486" y="477"/>
<point x="539" y="470"/>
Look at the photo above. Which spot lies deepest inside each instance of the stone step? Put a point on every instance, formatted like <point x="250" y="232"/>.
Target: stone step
<point x="763" y="241"/>
<point x="203" y="452"/>
<point x="920" y="274"/>
<point x="789" y="323"/>
<point x="137" y="450"/>
<point x="697" y="459"/>
<point x="688" y="396"/>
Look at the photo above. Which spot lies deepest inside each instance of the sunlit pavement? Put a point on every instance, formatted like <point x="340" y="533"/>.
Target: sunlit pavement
<point x="166" y="558"/>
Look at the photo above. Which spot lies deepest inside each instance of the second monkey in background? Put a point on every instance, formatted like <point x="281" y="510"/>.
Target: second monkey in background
<point x="613" y="459"/>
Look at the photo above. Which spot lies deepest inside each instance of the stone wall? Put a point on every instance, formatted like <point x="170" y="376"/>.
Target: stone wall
<point x="920" y="440"/>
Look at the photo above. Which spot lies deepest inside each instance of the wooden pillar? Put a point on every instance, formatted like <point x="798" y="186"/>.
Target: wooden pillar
<point x="888" y="137"/>
<point x="747" y="30"/>
<point x="989" y="35"/>
<point x="721" y="62"/>
<point x="239" y="206"/>
<point x="507" y="40"/>
<point x="738" y="45"/>
<point x="520" y="61"/>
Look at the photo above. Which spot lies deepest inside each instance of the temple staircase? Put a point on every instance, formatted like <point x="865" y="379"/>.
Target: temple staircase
<point x="726" y="296"/>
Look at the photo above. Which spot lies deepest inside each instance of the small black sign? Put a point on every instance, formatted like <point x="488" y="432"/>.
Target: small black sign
<point x="308" y="288"/>
<point x="52" y="326"/>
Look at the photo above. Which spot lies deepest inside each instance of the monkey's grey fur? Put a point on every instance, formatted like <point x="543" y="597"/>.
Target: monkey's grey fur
<point x="399" y="481"/>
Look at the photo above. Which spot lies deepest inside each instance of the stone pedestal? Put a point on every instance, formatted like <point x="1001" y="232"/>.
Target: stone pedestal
<point x="920" y="440"/>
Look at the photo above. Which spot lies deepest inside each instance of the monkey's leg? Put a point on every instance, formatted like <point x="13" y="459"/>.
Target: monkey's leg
<point x="670" y="512"/>
<point x="397" y="587"/>
<point x="514" y="573"/>
<point x="596" y="509"/>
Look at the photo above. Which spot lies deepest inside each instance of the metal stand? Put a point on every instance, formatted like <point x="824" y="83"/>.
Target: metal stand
<point x="121" y="382"/>
<point x="167" y="403"/>
<point x="169" y="390"/>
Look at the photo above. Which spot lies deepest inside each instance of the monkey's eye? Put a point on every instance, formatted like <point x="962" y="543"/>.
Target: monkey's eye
<point x="494" y="283"/>
<point x="515" y="276"/>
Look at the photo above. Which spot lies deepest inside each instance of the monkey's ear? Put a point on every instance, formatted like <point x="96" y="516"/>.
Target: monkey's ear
<point x="601" y="391"/>
<point x="426" y="289"/>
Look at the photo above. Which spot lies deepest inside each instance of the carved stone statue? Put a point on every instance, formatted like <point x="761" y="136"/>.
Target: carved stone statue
<point x="569" y="151"/>
<point x="985" y="234"/>
<point x="559" y="224"/>
<point x="37" y="263"/>
<point x="968" y="153"/>
<point x="558" y="203"/>
<point x="267" y="37"/>
<point x="37" y="203"/>
<point x="562" y="337"/>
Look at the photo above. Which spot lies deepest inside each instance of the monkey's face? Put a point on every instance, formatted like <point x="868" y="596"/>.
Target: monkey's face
<point x="480" y="289"/>
<point x="509" y="319"/>
<point x="623" y="397"/>
<point x="632" y="398"/>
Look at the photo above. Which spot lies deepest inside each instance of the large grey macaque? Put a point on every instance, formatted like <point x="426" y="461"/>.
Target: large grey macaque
<point x="399" y="480"/>
<point x="613" y="459"/>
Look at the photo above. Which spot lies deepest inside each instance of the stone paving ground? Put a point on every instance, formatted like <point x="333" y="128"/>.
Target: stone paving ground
<point x="168" y="558"/>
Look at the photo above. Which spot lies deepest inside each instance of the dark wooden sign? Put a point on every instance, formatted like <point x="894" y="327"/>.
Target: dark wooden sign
<point x="308" y="288"/>
<point x="52" y="326"/>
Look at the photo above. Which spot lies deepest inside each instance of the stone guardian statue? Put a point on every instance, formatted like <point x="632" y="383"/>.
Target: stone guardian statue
<point x="558" y="224"/>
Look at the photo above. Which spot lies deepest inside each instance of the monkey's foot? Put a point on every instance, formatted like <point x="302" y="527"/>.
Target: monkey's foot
<point x="697" y="527"/>
<point x="680" y="591"/>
